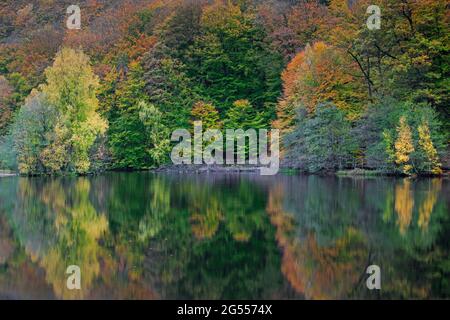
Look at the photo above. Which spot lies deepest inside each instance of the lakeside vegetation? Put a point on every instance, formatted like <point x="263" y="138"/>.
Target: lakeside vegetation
<point x="109" y="95"/>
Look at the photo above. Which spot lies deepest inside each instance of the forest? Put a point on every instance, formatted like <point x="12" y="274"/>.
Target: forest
<point x="108" y="96"/>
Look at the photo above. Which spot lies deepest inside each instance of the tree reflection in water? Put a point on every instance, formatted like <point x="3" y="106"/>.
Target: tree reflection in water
<point x="146" y="236"/>
<point x="328" y="241"/>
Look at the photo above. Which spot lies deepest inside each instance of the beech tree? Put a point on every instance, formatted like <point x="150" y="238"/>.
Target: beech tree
<point x="59" y="123"/>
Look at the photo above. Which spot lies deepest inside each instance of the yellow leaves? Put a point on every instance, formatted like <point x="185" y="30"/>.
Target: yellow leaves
<point x="78" y="228"/>
<point x="404" y="146"/>
<point x="205" y="222"/>
<point x="226" y="17"/>
<point x="27" y="163"/>
<point x="68" y="103"/>
<point x="242" y="236"/>
<point x="205" y="226"/>
<point x="83" y="137"/>
<point x="54" y="156"/>
<point x="71" y="90"/>
<point x="407" y="155"/>
<point x="71" y="81"/>
<point x="427" y="206"/>
<point x="434" y="166"/>
<point x="404" y="204"/>
<point x="347" y="20"/>
<point x="241" y="104"/>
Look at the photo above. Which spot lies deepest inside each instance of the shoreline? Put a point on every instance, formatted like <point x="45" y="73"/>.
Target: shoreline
<point x="200" y="169"/>
<point x="242" y="169"/>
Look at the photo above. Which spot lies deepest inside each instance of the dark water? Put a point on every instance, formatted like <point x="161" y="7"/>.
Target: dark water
<point x="147" y="236"/>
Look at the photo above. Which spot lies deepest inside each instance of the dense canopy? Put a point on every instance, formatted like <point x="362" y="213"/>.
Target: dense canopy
<point x="109" y="95"/>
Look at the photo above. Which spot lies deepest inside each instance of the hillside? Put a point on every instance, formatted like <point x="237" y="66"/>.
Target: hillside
<point x="343" y="96"/>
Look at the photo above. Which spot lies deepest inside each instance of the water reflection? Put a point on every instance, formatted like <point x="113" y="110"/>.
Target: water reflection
<point x="147" y="236"/>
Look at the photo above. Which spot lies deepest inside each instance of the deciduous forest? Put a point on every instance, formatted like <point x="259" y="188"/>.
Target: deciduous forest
<point x="108" y="96"/>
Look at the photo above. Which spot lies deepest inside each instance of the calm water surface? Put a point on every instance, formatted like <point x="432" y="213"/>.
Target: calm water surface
<point x="161" y="236"/>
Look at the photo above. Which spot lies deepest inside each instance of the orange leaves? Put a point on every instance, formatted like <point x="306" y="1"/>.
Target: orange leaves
<point x="325" y="272"/>
<point x="24" y="15"/>
<point x="309" y="21"/>
<point x="290" y="75"/>
<point x="349" y="16"/>
<point x="207" y="114"/>
<point x="315" y="270"/>
<point x="5" y="88"/>
<point x="106" y="31"/>
<point x="318" y="74"/>
<point x="35" y="54"/>
<point x="142" y="45"/>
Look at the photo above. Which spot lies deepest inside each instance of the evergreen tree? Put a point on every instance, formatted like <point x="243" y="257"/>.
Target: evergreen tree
<point x="207" y="114"/>
<point x="168" y="87"/>
<point x="181" y="29"/>
<point x="229" y="61"/>
<point x="128" y="140"/>
<point x="321" y="142"/>
<point x="242" y="115"/>
<point x="158" y="134"/>
<point x="388" y="143"/>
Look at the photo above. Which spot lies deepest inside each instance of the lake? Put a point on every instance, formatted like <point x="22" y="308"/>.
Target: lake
<point x="217" y="236"/>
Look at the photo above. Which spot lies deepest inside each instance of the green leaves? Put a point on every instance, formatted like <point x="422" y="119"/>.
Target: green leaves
<point x="322" y="142"/>
<point x="127" y="138"/>
<point x="229" y="61"/>
<point x="56" y="128"/>
<point x="242" y="115"/>
<point x="158" y="133"/>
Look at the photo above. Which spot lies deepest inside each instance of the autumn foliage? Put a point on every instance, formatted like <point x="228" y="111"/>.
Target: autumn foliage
<point x="284" y="59"/>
